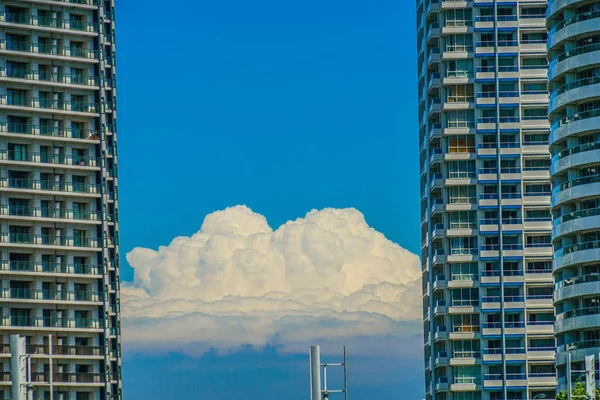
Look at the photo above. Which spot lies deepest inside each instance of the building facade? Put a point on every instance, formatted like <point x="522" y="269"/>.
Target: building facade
<point x="485" y="200"/>
<point x="59" y="270"/>
<point x="574" y="112"/>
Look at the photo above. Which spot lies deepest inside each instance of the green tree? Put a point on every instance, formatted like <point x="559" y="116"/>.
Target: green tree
<point x="577" y="393"/>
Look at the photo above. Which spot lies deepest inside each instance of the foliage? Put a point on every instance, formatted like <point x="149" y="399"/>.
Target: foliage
<point x="577" y="393"/>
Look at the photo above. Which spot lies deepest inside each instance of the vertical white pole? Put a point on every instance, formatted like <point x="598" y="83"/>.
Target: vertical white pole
<point x="29" y="386"/>
<point x="51" y="367"/>
<point x="569" y="376"/>
<point x="18" y="374"/>
<point x="315" y="373"/>
<point x="345" y="376"/>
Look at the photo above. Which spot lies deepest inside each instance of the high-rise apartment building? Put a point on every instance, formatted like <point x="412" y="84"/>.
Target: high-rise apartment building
<point x="485" y="200"/>
<point x="574" y="108"/>
<point x="59" y="272"/>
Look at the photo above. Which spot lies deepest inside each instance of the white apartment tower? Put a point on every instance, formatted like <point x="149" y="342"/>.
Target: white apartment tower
<point x="574" y="111"/>
<point x="485" y="200"/>
<point x="59" y="270"/>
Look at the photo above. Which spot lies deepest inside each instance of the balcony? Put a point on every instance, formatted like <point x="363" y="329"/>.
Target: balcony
<point x="460" y="332"/>
<point x="49" y="158"/>
<point x="48" y="268"/>
<point x="540" y="327"/>
<point x="38" y="295"/>
<point x="65" y="350"/>
<point x="51" y="133"/>
<point x="26" y="212"/>
<point x="48" y="240"/>
<point x="69" y="378"/>
<point x="52" y="322"/>
<point x="539" y="300"/>
<point x="22" y="184"/>
<point x="43" y="104"/>
<point x="47" y="22"/>
<point x="541" y="378"/>
<point x="39" y="49"/>
<point x="538" y="249"/>
<point x="49" y="78"/>
<point x="440" y="282"/>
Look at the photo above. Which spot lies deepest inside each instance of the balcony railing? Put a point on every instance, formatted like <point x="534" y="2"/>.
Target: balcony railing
<point x="49" y="22"/>
<point x="466" y="354"/>
<point x="50" y="295"/>
<point x="577" y="280"/>
<point x="52" y="322"/>
<point x="48" y="49"/>
<point x="47" y="267"/>
<point x="48" y="185"/>
<point x="464" y="251"/>
<point x="576" y="149"/>
<point x="465" y="328"/>
<point x="50" y="104"/>
<point x="577" y="51"/>
<point x="42" y="76"/>
<point x="69" y="377"/>
<point x="592" y="244"/>
<point x="41" y="130"/>
<point x="576" y="182"/>
<point x="574" y="19"/>
<point x="49" y="158"/>
<point x="583" y="344"/>
<point x="465" y="302"/>
<point x="48" y="240"/>
<point x="578" y="312"/>
<point x="464" y="277"/>
<point x="48" y="212"/>
<point x="576" y="117"/>
<point x="594" y="80"/>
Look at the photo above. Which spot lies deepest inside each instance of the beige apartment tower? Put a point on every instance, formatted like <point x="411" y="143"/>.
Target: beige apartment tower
<point x="485" y="200"/>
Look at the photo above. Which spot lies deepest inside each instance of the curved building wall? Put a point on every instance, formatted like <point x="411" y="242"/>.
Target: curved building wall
<point x="574" y="113"/>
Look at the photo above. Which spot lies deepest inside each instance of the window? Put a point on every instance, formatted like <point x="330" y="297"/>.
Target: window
<point x="466" y="349"/>
<point x="460" y="93"/>
<point x="79" y="183"/>
<point x="17" y="152"/>
<point x="463" y="220"/>
<point x="80" y="265"/>
<point x="465" y="323"/>
<point x="19" y="207"/>
<point x="459" y="68"/>
<point x="459" y="17"/>
<point x="17" y="97"/>
<point x="79" y="238"/>
<point x="462" y="194"/>
<point x="468" y="374"/>
<point x="463" y="169"/>
<point x="536" y="164"/>
<point x="538" y="215"/>
<point x="461" y="43"/>
<point x="463" y="245"/>
<point x="19" y="234"/>
<point x="461" y="144"/>
<point x="20" y="317"/>
<point x="539" y="267"/>
<point x="539" y="241"/>
<point x="466" y="297"/>
<point x="460" y="119"/>
<point x="535" y="113"/>
<point x="537" y="190"/>
<point x="464" y="271"/>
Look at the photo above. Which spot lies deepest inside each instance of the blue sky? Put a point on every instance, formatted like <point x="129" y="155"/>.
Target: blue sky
<point x="284" y="107"/>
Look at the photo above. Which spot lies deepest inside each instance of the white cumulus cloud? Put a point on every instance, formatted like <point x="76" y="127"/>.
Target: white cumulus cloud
<point x="327" y="276"/>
